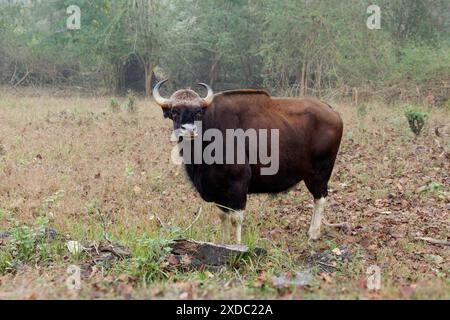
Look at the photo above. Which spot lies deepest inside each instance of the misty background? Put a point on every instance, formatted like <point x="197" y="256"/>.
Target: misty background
<point x="290" y="47"/>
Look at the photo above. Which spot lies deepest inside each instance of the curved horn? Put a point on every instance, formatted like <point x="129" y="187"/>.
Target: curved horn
<point x="210" y="96"/>
<point x="163" y="102"/>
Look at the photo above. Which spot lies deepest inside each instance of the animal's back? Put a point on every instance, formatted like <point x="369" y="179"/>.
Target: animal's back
<point x="250" y="105"/>
<point x="308" y="128"/>
<point x="306" y="119"/>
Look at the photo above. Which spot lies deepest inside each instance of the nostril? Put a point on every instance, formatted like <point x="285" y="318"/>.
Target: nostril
<point x="189" y="127"/>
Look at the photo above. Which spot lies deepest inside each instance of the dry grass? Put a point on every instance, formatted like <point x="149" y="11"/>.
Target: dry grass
<point x="95" y="174"/>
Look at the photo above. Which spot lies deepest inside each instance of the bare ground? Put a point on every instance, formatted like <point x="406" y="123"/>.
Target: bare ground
<point x="73" y="165"/>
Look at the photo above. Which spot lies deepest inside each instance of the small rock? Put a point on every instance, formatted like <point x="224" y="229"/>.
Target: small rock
<point x="205" y="254"/>
<point x="74" y="247"/>
<point x="337" y="251"/>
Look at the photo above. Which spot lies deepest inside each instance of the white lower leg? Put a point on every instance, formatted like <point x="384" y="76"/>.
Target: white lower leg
<point x="316" y="220"/>
<point x="237" y="217"/>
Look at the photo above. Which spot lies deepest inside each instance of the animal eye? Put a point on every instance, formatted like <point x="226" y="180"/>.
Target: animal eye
<point x="198" y="115"/>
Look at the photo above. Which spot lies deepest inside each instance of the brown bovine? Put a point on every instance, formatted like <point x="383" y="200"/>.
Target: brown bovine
<point x="309" y="137"/>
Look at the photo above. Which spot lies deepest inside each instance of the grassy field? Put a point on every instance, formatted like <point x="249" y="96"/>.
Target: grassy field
<point x="73" y="165"/>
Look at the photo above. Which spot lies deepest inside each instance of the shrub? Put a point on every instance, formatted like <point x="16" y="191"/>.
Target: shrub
<point x="149" y="259"/>
<point x="130" y="106"/>
<point x="361" y="110"/>
<point x="422" y="63"/>
<point x="416" y="119"/>
<point x="114" y="105"/>
<point x="24" y="244"/>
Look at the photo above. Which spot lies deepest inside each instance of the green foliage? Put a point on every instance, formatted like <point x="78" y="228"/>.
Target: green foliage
<point x="27" y="243"/>
<point x="129" y="171"/>
<point x="22" y="243"/>
<point x="53" y="199"/>
<point x="435" y="188"/>
<point x="295" y="47"/>
<point x="148" y="262"/>
<point x="114" y="105"/>
<point x="422" y="62"/>
<point x="416" y="119"/>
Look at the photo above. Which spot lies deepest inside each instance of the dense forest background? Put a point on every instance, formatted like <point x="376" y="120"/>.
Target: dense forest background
<point x="292" y="47"/>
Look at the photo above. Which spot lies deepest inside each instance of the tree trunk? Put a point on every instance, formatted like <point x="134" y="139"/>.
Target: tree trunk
<point x="116" y="78"/>
<point x="303" y="79"/>
<point x="148" y="68"/>
<point x="214" y="71"/>
<point x="307" y="76"/>
<point x="319" y="79"/>
<point x="247" y="68"/>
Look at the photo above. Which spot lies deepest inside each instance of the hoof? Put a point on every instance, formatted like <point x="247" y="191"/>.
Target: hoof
<point x="314" y="235"/>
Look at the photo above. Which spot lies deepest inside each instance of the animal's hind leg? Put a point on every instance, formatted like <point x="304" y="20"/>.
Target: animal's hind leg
<point x="317" y="184"/>
<point x="319" y="217"/>
<point x="316" y="220"/>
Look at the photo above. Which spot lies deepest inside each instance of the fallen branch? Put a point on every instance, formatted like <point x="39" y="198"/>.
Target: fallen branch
<point x="343" y="225"/>
<point x="199" y="254"/>
<point x="434" y="241"/>
<point x="326" y="264"/>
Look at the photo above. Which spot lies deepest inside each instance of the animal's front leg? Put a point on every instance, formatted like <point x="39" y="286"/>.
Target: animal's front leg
<point x="316" y="220"/>
<point x="237" y="217"/>
<point x="225" y="224"/>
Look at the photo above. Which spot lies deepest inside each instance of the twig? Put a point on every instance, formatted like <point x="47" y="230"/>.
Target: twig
<point x="344" y="225"/>
<point x="199" y="213"/>
<point x="326" y="264"/>
<point x="434" y="241"/>
<point x="160" y="221"/>
<point x="190" y="226"/>
<point x="23" y="78"/>
<point x="14" y="74"/>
